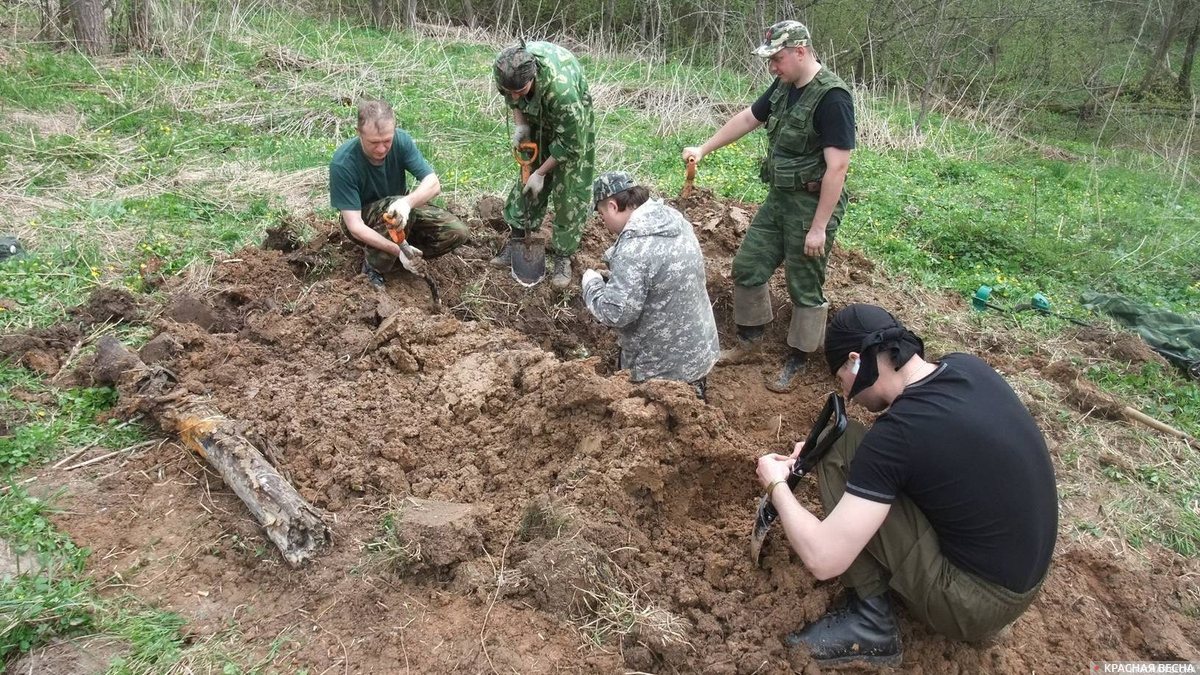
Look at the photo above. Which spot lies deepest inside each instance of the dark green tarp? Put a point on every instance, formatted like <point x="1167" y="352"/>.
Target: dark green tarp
<point x="1174" y="336"/>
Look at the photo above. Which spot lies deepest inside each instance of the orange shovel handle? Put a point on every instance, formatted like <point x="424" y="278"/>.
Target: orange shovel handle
<point x="396" y="233"/>
<point x="520" y="152"/>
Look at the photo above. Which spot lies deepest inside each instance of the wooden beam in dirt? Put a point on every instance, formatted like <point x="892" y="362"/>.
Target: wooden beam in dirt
<point x="296" y="527"/>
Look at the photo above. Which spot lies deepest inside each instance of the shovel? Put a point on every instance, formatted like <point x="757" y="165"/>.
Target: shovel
<point x="397" y="235"/>
<point x="528" y="254"/>
<point x="813" y="451"/>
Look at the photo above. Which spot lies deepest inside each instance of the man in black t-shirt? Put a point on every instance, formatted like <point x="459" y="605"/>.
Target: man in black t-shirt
<point x="949" y="500"/>
<point x="809" y="118"/>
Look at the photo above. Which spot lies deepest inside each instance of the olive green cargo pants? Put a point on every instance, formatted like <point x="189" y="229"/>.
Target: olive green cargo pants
<point x="904" y="556"/>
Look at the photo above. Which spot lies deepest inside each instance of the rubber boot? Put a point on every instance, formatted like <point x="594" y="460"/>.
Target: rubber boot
<point x="503" y="259"/>
<point x="373" y="275"/>
<point x="748" y="347"/>
<point x="789" y="376"/>
<point x="806" y="332"/>
<point x="751" y="313"/>
<point x="863" y="630"/>
<point x="561" y="277"/>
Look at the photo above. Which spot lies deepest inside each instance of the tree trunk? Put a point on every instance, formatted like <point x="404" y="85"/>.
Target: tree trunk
<point x="52" y="20"/>
<point x="722" y="24"/>
<point x="933" y="67"/>
<point x="1169" y="32"/>
<point x="608" y="17"/>
<point x="469" y="13"/>
<point x="141" y="36"/>
<point x="290" y="522"/>
<point x="410" y="13"/>
<point x="1184" y="85"/>
<point x="91" y="30"/>
<point x="381" y="13"/>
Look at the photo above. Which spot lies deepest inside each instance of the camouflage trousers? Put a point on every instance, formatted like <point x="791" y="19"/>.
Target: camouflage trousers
<point x="777" y="236"/>
<point x="432" y="229"/>
<point x="569" y="187"/>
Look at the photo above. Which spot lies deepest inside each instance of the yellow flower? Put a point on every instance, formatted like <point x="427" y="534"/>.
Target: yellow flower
<point x="41" y="413"/>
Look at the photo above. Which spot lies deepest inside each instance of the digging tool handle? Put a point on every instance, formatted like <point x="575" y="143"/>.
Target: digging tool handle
<point x="396" y="233"/>
<point x="526" y="154"/>
<point x="689" y="181"/>
<point x="835" y="409"/>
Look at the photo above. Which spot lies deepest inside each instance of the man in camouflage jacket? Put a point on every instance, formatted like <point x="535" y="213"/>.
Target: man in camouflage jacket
<point x="544" y="86"/>
<point x="656" y="296"/>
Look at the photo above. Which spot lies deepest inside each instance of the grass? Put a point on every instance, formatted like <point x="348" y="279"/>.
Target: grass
<point x="112" y="167"/>
<point x="392" y="550"/>
<point x="615" y="613"/>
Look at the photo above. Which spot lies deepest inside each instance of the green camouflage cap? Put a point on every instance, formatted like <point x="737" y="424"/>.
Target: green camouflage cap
<point x="781" y="35"/>
<point x="610" y="183"/>
<point x="514" y="67"/>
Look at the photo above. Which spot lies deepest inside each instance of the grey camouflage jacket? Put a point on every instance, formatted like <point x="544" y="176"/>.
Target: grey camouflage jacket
<point x="656" y="297"/>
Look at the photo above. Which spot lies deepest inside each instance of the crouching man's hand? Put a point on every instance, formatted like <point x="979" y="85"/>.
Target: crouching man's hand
<point x="774" y="468"/>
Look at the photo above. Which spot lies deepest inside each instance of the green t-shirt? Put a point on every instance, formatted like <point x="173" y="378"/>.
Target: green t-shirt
<point x="355" y="182"/>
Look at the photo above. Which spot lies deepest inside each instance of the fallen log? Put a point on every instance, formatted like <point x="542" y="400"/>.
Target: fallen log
<point x="296" y="527"/>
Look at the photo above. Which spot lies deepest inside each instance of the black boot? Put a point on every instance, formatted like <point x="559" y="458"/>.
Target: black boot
<point x="863" y="630"/>
<point x="373" y="275"/>
<point x="749" y="339"/>
<point x="789" y="376"/>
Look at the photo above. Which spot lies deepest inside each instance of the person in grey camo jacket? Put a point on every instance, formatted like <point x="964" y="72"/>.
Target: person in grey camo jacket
<point x="655" y="295"/>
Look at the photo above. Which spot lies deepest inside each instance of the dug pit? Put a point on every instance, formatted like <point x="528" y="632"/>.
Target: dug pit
<point x="557" y="514"/>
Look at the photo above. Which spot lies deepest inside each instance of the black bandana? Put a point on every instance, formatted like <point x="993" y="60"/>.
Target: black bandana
<point x="868" y="330"/>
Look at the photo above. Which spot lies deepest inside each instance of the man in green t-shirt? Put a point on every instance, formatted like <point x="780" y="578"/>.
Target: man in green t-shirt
<point x="367" y="184"/>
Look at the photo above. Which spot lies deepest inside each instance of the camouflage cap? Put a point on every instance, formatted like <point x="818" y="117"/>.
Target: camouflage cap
<point x="514" y="67"/>
<point x="781" y="35"/>
<point x="610" y="183"/>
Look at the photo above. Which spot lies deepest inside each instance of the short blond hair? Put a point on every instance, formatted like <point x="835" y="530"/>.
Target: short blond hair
<point x="375" y="112"/>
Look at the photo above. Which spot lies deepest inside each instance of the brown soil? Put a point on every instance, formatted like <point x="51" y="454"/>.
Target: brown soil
<point x="502" y="501"/>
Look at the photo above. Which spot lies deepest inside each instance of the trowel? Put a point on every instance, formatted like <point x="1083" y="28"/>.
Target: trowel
<point x="815" y="447"/>
<point x="528" y="253"/>
<point x="397" y="235"/>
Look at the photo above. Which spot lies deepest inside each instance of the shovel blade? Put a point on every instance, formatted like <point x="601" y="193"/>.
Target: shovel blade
<point x="528" y="261"/>
<point x="762" y="527"/>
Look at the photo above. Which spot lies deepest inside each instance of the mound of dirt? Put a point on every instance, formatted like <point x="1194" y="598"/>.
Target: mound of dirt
<point x="105" y="305"/>
<point x="1120" y="346"/>
<point x="608" y="522"/>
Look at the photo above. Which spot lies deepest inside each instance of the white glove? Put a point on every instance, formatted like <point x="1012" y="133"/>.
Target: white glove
<point x="533" y="187"/>
<point x="400" y="210"/>
<point x="692" y="152"/>
<point x="520" y="133"/>
<point x="411" y="251"/>
<point x="588" y="276"/>
<point x="410" y="260"/>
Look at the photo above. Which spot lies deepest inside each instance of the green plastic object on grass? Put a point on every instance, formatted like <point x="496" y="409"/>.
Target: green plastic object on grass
<point x="1039" y="303"/>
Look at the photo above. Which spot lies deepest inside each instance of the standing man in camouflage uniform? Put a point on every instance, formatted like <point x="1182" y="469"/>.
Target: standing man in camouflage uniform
<point x="367" y="184"/>
<point x="543" y="84"/>
<point x="809" y="115"/>
<point x="656" y="296"/>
